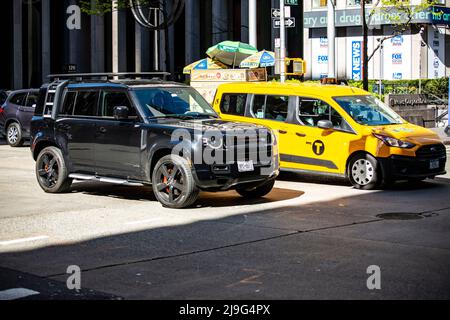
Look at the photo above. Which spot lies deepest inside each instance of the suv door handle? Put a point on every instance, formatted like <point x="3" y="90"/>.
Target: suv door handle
<point x="102" y="130"/>
<point x="301" y="135"/>
<point x="282" y="131"/>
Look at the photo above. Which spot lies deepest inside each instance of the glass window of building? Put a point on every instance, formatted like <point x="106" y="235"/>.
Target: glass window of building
<point x="351" y="3"/>
<point x="319" y="3"/>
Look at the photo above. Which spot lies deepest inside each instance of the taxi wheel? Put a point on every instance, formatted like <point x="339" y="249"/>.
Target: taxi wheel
<point x="364" y="172"/>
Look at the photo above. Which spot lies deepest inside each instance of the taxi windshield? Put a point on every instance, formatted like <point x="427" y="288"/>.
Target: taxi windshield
<point x="164" y="102"/>
<point x="368" y="110"/>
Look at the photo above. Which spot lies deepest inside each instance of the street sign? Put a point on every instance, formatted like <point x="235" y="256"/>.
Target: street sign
<point x="289" y="23"/>
<point x="291" y="2"/>
<point x="276" y="13"/>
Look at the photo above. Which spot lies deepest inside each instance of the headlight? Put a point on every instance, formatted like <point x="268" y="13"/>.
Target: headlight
<point x="213" y="142"/>
<point x="392" y="142"/>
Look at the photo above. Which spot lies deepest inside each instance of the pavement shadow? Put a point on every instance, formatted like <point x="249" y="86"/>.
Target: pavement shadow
<point x="280" y="253"/>
<point x="206" y="199"/>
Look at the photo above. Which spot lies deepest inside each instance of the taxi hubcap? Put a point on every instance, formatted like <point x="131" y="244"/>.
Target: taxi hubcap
<point x="363" y="172"/>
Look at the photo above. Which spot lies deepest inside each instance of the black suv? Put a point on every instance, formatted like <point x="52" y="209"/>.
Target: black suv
<point x="146" y="132"/>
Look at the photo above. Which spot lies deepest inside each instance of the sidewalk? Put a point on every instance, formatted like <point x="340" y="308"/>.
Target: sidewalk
<point x="444" y="136"/>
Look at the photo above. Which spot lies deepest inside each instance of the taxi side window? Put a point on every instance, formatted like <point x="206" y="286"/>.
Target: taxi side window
<point x="270" y="107"/>
<point x="233" y="104"/>
<point x="311" y="111"/>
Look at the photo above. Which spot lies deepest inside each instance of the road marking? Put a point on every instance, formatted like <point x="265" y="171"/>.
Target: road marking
<point x="143" y="221"/>
<point x="16" y="241"/>
<point x="16" y="293"/>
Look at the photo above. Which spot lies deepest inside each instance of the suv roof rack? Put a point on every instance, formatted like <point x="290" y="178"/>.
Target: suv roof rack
<point x="108" y="76"/>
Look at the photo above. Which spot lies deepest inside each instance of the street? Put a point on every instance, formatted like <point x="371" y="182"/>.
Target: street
<point x="310" y="238"/>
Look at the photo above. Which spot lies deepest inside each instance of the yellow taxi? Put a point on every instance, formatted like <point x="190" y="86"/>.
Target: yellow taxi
<point x="337" y="130"/>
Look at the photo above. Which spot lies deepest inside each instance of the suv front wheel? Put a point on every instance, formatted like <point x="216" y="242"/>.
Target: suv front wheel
<point x="51" y="171"/>
<point x="14" y="135"/>
<point x="173" y="183"/>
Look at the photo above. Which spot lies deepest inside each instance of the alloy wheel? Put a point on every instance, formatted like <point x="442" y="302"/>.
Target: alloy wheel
<point x="48" y="170"/>
<point x="170" y="184"/>
<point x="13" y="134"/>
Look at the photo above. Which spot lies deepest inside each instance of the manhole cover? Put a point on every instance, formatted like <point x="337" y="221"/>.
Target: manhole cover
<point x="400" y="216"/>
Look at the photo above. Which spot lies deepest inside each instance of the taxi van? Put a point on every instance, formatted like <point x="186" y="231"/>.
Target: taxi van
<point x="337" y="130"/>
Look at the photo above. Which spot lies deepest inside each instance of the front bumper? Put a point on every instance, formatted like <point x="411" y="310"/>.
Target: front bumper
<point x="401" y="167"/>
<point x="226" y="177"/>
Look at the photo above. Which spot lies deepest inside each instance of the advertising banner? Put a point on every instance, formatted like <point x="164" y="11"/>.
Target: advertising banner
<point x="397" y="58"/>
<point x="319" y="57"/>
<point x="436" y="53"/>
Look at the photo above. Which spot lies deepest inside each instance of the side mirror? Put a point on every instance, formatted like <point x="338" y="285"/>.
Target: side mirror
<point x="121" y="113"/>
<point x="325" y="124"/>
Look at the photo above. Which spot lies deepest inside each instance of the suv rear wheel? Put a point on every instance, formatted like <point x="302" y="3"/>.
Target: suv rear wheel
<point x="173" y="183"/>
<point x="14" y="135"/>
<point x="256" y="192"/>
<point x="51" y="171"/>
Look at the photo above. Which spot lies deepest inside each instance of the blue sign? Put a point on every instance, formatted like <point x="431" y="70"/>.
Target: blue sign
<point x="322" y="59"/>
<point x="397" y="58"/>
<point x="440" y="15"/>
<point x="356" y="60"/>
<point x="397" y="76"/>
<point x="397" y="41"/>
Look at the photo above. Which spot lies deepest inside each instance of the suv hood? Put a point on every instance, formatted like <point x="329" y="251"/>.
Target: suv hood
<point x="409" y="132"/>
<point x="213" y="124"/>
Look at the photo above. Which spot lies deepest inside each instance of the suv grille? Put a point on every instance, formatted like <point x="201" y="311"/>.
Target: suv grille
<point x="432" y="151"/>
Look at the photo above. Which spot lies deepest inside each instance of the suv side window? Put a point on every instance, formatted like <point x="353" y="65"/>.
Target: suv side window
<point x="233" y="104"/>
<point x="32" y="99"/>
<point x="69" y="103"/>
<point x="310" y="111"/>
<point x="111" y="99"/>
<point x="86" y="103"/>
<point x="270" y="107"/>
<point x="18" y="98"/>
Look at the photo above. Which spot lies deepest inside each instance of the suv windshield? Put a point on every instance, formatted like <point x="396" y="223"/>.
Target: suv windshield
<point x="173" y="102"/>
<point x="368" y="110"/>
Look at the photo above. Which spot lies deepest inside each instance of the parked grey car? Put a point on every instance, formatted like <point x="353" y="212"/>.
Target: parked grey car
<point x="15" y="116"/>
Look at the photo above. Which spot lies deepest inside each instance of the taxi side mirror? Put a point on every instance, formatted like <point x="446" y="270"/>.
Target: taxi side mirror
<point x="325" y="124"/>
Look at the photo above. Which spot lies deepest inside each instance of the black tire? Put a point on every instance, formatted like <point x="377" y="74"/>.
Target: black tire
<point x="14" y="135"/>
<point x="51" y="171"/>
<point x="173" y="183"/>
<point x="256" y="192"/>
<point x="364" y="172"/>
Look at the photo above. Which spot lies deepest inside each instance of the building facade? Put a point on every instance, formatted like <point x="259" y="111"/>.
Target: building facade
<point x="423" y="51"/>
<point x="41" y="37"/>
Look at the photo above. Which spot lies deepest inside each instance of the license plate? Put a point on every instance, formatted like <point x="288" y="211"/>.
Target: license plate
<point x="245" y="166"/>
<point x="434" y="164"/>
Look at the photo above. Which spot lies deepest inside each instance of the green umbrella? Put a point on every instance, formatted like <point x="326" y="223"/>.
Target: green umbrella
<point x="231" y="52"/>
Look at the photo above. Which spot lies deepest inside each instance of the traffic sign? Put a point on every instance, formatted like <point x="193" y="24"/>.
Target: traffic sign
<point x="289" y="23"/>
<point x="291" y="2"/>
<point x="276" y="13"/>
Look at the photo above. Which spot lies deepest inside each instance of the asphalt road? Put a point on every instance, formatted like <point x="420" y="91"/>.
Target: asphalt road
<point x="309" y="239"/>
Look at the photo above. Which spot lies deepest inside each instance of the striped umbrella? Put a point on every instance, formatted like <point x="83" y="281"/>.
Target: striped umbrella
<point x="231" y="52"/>
<point x="204" y="64"/>
<point x="261" y="59"/>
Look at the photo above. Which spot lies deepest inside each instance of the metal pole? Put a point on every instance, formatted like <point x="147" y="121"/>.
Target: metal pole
<point x="381" y="67"/>
<point x="282" y="43"/>
<point x="252" y="27"/>
<point x="420" y="60"/>
<point x="331" y="35"/>
<point x="156" y="44"/>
